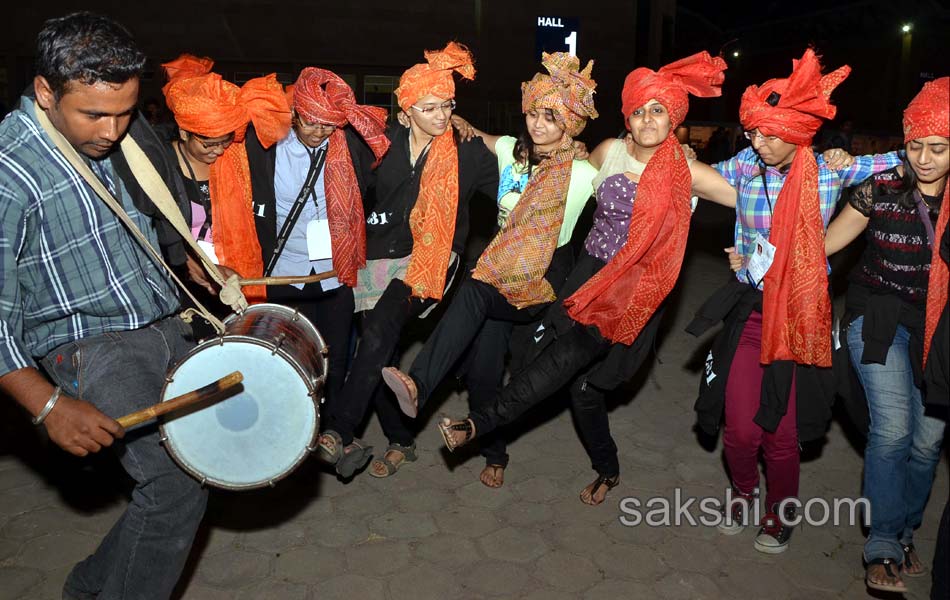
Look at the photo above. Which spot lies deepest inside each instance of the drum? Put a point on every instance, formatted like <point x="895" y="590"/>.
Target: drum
<point x="258" y="436"/>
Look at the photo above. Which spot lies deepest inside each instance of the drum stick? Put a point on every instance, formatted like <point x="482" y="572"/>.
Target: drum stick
<point x="202" y="393"/>
<point x="289" y="279"/>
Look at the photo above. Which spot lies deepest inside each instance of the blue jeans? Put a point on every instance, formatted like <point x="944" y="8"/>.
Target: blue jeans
<point x="903" y="446"/>
<point x="143" y="554"/>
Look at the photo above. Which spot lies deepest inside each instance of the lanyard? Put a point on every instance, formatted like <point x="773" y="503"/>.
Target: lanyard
<point x="316" y="165"/>
<point x="203" y="231"/>
<point x="924" y="216"/>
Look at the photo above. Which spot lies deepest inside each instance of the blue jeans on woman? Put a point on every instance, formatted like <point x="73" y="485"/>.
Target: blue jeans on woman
<point x="903" y="446"/>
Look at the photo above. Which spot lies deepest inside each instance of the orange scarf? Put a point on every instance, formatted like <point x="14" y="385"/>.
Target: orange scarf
<point x="320" y="96"/>
<point x="432" y="220"/>
<point x="796" y="307"/>
<point x="622" y="297"/>
<point x="205" y="104"/>
<point x="929" y="114"/>
<point x="517" y="258"/>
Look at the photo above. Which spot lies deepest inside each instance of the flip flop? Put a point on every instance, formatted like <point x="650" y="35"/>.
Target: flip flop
<point x="601" y="481"/>
<point x="405" y="389"/>
<point x="408" y="453"/>
<point x="908" y="548"/>
<point x="885" y="587"/>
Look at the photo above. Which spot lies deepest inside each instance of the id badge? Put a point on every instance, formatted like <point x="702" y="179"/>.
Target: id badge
<point x="318" y="239"/>
<point x="208" y="249"/>
<point x="761" y="259"/>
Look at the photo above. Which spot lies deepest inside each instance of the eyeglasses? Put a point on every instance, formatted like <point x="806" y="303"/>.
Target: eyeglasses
<point x="222" y="144"/>
<point x="314" y="126"/>
<point x="751" y="135"/>
<point x="447" y="106"/>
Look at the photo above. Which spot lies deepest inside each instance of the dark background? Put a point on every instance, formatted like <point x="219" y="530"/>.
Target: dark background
<point x="370" y="43"/>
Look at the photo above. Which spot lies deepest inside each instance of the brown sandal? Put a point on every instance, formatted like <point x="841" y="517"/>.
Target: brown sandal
<point x="447" y="426"/>
<point x="405" y="389"/>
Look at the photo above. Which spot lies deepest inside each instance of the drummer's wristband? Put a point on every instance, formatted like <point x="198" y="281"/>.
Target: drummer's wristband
<point x="38" y="419"/>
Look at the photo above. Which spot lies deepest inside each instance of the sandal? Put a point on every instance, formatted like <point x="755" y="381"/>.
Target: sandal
<point x="390" y="467"/>
<point x="405" y="389"/>
<point x="908" y="563"/>
<point x="355" y="457"/>
<point x="447" y="427"/>
<point x="329" y="447"/>
<point x="601" y="481"/>
<point x="497" y="475"/>
<point x="899" y="587"/>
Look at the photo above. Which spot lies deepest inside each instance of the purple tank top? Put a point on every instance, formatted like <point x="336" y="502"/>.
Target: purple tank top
<point x="611" y="225"/>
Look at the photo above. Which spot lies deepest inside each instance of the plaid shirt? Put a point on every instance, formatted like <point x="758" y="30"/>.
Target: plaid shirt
<point x="69" y="268"/>
<point x="753" y="208"/>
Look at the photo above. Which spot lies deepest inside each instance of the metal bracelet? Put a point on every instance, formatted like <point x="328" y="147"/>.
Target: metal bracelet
<point x="38" y="419"/>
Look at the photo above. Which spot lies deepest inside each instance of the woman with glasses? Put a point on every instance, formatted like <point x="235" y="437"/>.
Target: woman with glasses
<point x="602" y="330"/>
<point x="309" y="190"/>
<point x="768" y="372"/>
<point x="213" y="116"/>
<point x="542" y="192"/>
<point x="415" y="234"/>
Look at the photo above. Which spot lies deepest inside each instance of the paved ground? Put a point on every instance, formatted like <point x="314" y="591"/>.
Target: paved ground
<point x="433" y="531"/>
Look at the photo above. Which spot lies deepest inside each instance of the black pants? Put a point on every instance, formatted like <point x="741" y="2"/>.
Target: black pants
<point x="484" y="373"/>
<point x="473" y="305"/>
<point x="576" y="352"/>
<point x="382" y="330"/>
<point x="331" y="312"/>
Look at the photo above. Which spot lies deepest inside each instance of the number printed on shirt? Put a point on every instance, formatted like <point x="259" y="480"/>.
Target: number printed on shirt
<point x="377" y="218"/>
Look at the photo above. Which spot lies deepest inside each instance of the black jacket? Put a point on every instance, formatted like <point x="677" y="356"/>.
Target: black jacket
<point x="937" y="370"/>
<point x="815" y="387"/>
<point x="397" y="189"/>
<point x="261" y="163"/>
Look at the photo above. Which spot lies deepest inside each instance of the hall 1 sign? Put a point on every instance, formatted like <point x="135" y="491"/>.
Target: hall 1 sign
<point x="556" y="34"/>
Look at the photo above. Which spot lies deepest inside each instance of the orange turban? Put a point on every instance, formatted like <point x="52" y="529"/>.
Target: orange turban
<point x="321" y="96"/>
<point x="700" y="75"/>
<point x="623" y="296"/>
<point x="796" y="307"/>
<point x="205" y="104"/>
<point x="929" y="112"/>
<point x="435" y="75"/>
<point x="567" y="91"/>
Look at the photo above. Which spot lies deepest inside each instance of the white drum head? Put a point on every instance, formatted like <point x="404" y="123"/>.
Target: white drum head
<point x="250" y="439"/>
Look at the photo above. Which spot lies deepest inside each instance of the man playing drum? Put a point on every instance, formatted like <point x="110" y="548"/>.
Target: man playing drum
<point x="79" y="296"/>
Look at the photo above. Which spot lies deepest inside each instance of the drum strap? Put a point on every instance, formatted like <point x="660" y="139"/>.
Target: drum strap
<point x="153" y="185"/>
<point x="316" y="165"/>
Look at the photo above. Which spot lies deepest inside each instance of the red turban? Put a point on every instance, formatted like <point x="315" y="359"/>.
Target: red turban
<point x="700" y="75"/>
<point x="567" y="91"/>
<point x="929" y="114"/>
<point x="623" y="296"/>
<point x="320" y="96"/>
<point x="435" y="75"/>
<point x="796" y="307"/>
<point x="205" y="104"/>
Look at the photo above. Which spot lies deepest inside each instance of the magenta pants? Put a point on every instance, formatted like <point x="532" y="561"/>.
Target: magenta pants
<point x="742" y="438"/>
